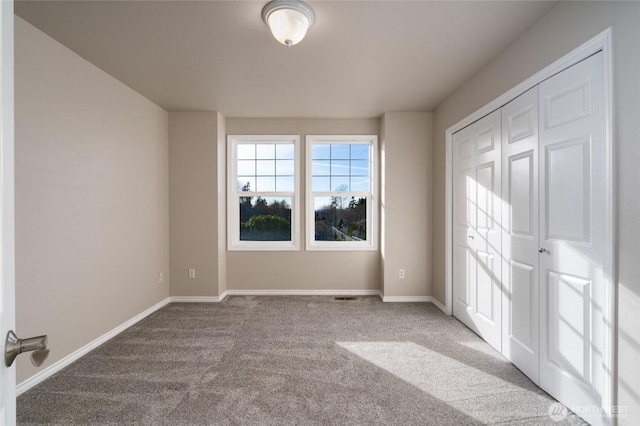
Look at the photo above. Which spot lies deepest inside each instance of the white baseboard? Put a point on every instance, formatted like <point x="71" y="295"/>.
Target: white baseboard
<point x="59" y="365"/>
<point x="302" y="293"/>
<point x="439" y="305"/>
<point x="198" y="299"/>
<point x="406" y="299"/>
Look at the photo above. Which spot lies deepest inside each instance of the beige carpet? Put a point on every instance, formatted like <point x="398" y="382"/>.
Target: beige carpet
<point x="292" y="361"/>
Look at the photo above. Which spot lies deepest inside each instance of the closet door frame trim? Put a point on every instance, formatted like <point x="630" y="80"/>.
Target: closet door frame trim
<point x="600" y="43"/>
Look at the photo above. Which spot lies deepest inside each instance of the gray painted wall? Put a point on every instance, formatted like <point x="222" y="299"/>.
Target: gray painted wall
<point x="92" y="198"/>
<point x="197" y="239"/>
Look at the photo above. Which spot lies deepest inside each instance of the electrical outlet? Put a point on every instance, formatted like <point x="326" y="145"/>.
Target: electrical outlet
<point x="192" y="274"/>
<point x="401" y="273"/>
<point x="160" y="277"/>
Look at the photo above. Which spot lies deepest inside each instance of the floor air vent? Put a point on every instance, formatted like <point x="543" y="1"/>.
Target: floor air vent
<point x="345" y="298"/>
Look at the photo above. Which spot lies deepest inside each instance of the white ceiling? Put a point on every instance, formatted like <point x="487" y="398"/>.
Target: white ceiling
<point x="360" y="59"/>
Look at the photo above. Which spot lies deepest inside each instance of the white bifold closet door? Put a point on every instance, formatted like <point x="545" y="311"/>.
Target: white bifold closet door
<point x="572" y="232"/>
<point x="529" y="232"/>
<point x="477" y="228"/>
<point x="520" y="240"/>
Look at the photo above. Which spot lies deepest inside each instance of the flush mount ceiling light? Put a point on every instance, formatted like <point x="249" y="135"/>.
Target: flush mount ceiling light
<point x="289" y="20"/>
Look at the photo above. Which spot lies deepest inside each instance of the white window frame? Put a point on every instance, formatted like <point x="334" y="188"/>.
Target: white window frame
<point x="233" y="206"/>
<point x="371" y="242"/>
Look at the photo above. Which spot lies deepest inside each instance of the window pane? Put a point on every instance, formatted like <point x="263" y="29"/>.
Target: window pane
<point x="285" y="151"/>
<point x="321" y="184"/>
<point x="320" y="151"/>
<point x="260" y="174"/>
<point x="265" y="168"/>
<point x="340" y="167"/>
<point x="246" y="183"/>
<point x="340" y="152"/>
<point x="337" y="174"/>
<point x="360" y="183"/>
<point x="340" y="219"/>
<point x="265" y="151"/>
<point x="265" y="219"/>
<point x="321" y="168"/>
<point x="266" y="183"/>
<point x="284" y="183"/>
<point x="340" y="183"/>
<point x="359" y="168"/>
<point x="360" y="151"/>
<point x="320" y="203"/>
<point x="246" y="151"/>
<point x="246" y="167"/>
<point x="284" y="167"/>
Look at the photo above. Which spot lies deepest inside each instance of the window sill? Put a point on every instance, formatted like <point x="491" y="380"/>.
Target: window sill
<point x="332" y="247"/>
<point x="261" y="247"/>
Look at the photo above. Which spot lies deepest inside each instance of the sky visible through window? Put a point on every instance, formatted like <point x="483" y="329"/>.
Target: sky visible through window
<point x="267" y="167"/>
<point x="339" y="168"/>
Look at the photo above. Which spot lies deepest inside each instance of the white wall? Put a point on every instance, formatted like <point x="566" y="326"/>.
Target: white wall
<point x="565" y="27"/>
<point x="92" y="221"/>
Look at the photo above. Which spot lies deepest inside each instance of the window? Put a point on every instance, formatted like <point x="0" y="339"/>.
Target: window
<point x="341" y="192"/>
<point x="263" y="203"/>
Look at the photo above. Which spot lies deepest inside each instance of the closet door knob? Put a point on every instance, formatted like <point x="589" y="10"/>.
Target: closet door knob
<point x="542" y="250"/>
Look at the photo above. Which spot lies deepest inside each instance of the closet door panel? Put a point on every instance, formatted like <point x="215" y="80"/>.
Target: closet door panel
<point x="487" y="284"/>
<point x="520" y="237"/>
<point x="521" y="197"/>
<point x="464" y="222"/>
<point x="522" y="328"/>
<point x="572" y="233"/>
<point x="488" y="231"/>
<point x="477" y="228"/>
<point x="568" y="188"/>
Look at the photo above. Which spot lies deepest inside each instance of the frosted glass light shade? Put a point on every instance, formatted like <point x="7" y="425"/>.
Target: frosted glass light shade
<point x="288" y="20"/>
<point x="288" y="26"/>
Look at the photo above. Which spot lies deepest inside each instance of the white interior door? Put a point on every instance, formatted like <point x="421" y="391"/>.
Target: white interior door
<point x="572" y="229"/>
<point x="520" y="239"/>
<point x="7" y="268"/>
<point x="477" y="228"/>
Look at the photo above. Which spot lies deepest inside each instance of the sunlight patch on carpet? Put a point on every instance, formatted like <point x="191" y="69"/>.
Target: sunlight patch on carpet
<point x="438" y="375"/>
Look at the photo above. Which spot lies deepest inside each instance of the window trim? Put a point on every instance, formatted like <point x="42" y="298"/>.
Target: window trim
<point x="233" y="208"/>
<point x="371" y="244"/>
